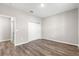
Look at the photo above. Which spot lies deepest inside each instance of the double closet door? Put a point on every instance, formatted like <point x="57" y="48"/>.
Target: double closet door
<point x="34" y="31"/>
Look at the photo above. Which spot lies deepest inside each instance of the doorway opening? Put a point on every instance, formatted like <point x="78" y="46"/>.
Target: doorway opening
<point x="7" y="28"/>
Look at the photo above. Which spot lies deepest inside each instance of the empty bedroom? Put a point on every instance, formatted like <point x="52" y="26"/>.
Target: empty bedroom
<point x="39" y="29"/>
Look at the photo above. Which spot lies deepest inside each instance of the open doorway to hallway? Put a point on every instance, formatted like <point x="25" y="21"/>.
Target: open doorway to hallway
<point x="7" y="29"/>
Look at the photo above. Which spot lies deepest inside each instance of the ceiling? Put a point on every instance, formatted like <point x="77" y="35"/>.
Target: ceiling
<point x="48" y="9"/>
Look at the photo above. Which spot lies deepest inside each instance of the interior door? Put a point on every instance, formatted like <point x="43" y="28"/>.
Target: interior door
<point x="34" y="31"/>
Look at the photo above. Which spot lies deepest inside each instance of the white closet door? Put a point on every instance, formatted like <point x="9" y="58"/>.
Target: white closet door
<point x="34" y="31"/>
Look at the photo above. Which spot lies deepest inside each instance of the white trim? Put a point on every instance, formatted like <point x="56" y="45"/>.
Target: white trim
<point x="63" y="42"/>
<point x="4" y="40"/>
<point x="22" y="43"/>
<point x="25" y="42"/>
<point x="14" y="19"/>
<point x="50" y="40"/>
<point x="13" y="28"/>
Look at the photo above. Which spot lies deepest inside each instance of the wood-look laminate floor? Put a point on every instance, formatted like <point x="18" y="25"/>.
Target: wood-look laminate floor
<point x="39" y="47"/>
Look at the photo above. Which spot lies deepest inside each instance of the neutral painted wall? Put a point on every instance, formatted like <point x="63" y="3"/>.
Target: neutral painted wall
<point x="22" y="19"/>
<point x="78" y="27"/>
<point x="5" y="29"/>
<point x="62" y="27"/>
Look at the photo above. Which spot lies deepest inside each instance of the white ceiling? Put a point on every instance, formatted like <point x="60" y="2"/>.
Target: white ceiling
<point x="48" y="9"/>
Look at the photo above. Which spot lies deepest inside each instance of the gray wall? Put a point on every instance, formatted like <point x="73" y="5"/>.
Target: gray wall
<point x="78" y="27"/>
<point x="5" y="29"/>
<point x="62" y="27"/>
<point x="22" y="19"/>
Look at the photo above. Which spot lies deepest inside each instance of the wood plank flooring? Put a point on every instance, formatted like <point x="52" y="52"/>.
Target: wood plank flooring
<point x="39" y="47"/>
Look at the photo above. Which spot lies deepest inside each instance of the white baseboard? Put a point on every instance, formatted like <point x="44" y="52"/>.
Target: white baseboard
<point x="20" y="43"/>
<point x="48" y="39"/>
<point x="4" y="40"/>
<point x="24" y="42"/>
<point x="63" y="42"/>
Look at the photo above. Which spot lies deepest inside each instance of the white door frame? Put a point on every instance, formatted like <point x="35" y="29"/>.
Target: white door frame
<point x="13" y="19"/>
<point x="13" y="29"/>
